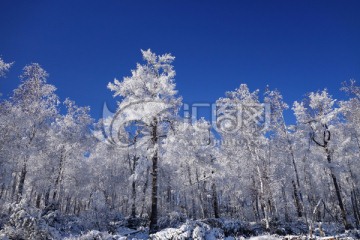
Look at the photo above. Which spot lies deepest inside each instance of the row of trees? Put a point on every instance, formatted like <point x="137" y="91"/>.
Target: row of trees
<point x="148" y="161"/>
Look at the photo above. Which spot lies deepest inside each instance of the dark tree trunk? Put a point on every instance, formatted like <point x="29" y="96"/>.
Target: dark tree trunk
<point x="355" y="208"/>
<point x="68" y="205"/>
<point x="297" y="200"/>
<point x="193" y="209"/>
<point x="153" y="216"/>
<point x="144" y="191"/>
<point x="133" y="193"/>
<point x="154" y="197"/>
<point x="38" y="200"/>
<point x="255" y="200"/>
<point x="23" y="173"/>
<point x="47" y="197"/>
<point x="2" y="190"/>
<point x="338" y="194"/>
<point x="324" y="144"/>
<point x="297" y="188"/>
<point x="132" y="166"/>
<point x="256" y="208"/>
<point x="215" y="201"/>
<point x="13" y="189"/>
<point x="21" y="182"/>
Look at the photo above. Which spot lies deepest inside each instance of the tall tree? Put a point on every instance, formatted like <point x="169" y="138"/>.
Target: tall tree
<point x="351" y="112"/>
<point x="320" y="115"/>
<point x="36" y="104"/>
<point x="71" y="138"/>
<point x="248" y="130"/>
<point x="193" y="147"/>
<point x="150" y="102"/>
<point x="281" y="137"/>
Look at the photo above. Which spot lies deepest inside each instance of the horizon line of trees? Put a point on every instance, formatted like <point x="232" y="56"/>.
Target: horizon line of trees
<point x="148" y="162"/>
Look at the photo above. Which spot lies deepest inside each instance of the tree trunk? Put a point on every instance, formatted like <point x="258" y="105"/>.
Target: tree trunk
<point x="324" y="145"/>
<point x="201" y="190"/>
<point x="355" y="208"/>
<point x="337" y="190"/>
<point x="21" y="182"/>
<point x="193" y="209"/>
<point x="68" y="205"/>
<point x="255" y="200"/>
<point x="47" y="197"/>
<point x="13" y="188"/>
<point x="133" y="196"/>
<point x="154" y="213"/>
<point x="153" y="216"/>
<point x="286" y="208"/>
<point x="133" y="184"/>
<point x="263" y="203"/>
<point x="38" y="200"/>
<point x="144" y="191"/>
<point x="59" y="175"/>
<point x="297" y="200"/>
<point x="2" y="190"/>
<point x="297" y="188"/>
<point x="215" y="201"/>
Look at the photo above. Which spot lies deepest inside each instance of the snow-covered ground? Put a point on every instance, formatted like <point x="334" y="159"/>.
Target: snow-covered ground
<point x="27" y="222"/>
<point x="199" y="233"/>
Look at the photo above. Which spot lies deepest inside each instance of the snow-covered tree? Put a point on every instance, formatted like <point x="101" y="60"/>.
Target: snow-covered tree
<point x="321" y="116"/>
<point x="190" y="178"/>
<point x="72" y="140"/>
<point x="282" y="141"/>
<point x="254" y="144"/>
<point x="35" y="102"/>
<point x="248" y="164"/>
<point x="4" y="67"/>
<point x="149" y="100"/>
<point x="350" y="110"/>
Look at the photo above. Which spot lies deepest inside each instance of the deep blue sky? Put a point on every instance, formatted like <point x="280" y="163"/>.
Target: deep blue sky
<point x="294" y="46"/>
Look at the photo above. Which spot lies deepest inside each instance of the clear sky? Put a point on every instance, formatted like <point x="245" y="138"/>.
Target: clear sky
<point x="295" y="46"/>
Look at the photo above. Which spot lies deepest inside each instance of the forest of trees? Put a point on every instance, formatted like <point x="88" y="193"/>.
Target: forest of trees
<point x="149" y="160"/>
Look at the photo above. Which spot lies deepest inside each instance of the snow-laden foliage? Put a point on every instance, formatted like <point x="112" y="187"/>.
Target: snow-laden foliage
<point x="148" y="172"/>
<point x="4" y="67"/>
<point x="27" y="223"/>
